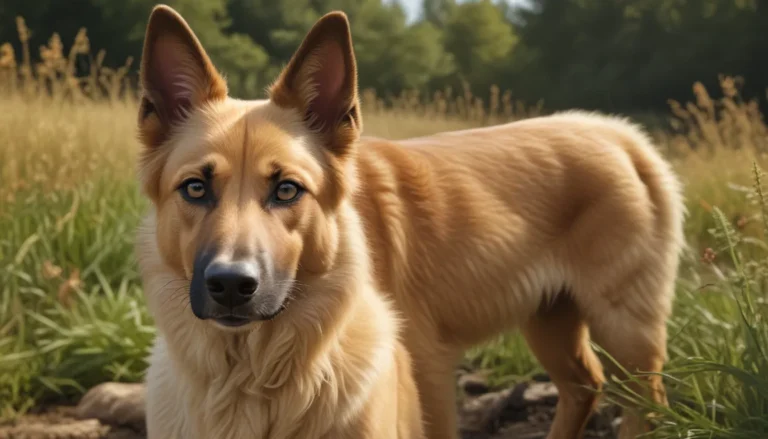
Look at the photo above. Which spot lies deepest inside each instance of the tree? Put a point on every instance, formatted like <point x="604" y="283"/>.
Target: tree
<point x="393" y="56"/>
<point x="437" y="12"/>
<point x="118" y="27"/>
<point x="602" y="54"/>
<point x="390" y="54"/>
<point x="480" y="40"/>
<point x="415" y="57"/>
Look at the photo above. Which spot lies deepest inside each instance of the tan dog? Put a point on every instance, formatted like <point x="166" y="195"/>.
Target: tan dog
<point x="253" y="258"/>
<point x="567" y="226"/>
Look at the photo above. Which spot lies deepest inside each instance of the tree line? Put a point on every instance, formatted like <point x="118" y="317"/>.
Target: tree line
<point x="612" y="55"/>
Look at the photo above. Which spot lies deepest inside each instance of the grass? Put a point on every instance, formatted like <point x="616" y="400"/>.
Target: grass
<point x="718" y="373"/>
<point x="71" y="308"/>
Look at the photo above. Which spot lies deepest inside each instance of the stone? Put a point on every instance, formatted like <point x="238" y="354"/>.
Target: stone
<point x="616" y="424"/>
<point x="473" y="384"/>
<point x="115" y="403"/>
<point x="481" y="414"/>
<point x="540" y="394"/>
<point x="528" y="394"/>
<point x="541" y="378"/>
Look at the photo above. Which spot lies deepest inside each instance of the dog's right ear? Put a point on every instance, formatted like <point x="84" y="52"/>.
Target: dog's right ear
<point x="176" y="75"/>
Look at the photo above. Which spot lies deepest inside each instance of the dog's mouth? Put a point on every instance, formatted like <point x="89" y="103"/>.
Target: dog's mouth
<point x="274" y="314"/>
<point x="232" y="321"/>
<point x="236" y="321"/>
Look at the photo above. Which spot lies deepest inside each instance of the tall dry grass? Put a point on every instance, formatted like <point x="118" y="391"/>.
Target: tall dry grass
<point x="71" y="308"/>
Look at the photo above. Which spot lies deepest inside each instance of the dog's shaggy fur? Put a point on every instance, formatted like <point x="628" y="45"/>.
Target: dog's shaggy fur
<point x="330" y="365"/>
<point x="568" y="227"/>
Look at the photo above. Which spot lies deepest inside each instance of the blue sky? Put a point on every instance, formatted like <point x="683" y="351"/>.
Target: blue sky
<point x="413" y="7"/>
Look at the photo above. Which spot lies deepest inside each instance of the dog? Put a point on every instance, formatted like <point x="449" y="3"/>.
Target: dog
<point x="253" y="259"/>
<point x="568" y="227"/>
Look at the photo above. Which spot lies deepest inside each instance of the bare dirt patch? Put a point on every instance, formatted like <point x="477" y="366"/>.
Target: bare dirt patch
<point x="524" y="411"/>
<point x="61" y="422"/>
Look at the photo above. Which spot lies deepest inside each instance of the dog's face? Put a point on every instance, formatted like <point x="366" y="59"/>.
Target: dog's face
<point x="245" y="193"/>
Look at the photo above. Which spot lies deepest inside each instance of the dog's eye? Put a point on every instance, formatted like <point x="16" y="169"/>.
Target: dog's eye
<point x="286" y="192"/>
<point x="193" y="189"/>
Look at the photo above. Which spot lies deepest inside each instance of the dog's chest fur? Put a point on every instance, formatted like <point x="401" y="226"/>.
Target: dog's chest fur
<point x="239" y="402"/>
<point x="249" y="416"/>
<point x="239" y="392"/>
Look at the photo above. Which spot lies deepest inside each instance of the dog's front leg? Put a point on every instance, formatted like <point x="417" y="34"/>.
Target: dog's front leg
<point x="435" y="380"/>
<point x="167" y="417"/>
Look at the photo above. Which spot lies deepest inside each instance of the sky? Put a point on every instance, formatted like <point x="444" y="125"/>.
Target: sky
<point x="413" y="7"/>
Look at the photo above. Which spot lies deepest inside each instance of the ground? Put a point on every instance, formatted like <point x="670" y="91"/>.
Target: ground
<point x="523" y="411"/>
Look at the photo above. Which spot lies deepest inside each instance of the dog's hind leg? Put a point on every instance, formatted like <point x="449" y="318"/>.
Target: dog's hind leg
<point x="558" y="337"/>
<point x="633" y="332"/>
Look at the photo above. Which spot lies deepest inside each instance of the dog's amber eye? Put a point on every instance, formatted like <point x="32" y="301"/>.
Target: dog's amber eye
<point x="194" y="189"/>
<point x="287" y="191"/>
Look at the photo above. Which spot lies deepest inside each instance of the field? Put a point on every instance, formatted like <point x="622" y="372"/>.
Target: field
<point x="71" y="307"/>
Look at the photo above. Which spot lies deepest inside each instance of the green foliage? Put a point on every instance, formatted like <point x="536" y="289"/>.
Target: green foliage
<point x="480" y="40"/>
<point x="718" y="343"/>
<point x="120" y="26"/>
<point x="71" y="305"/>
<point x="629" y="56"/>
<point x="635" y="54"/>
<point x="437" y="11"/>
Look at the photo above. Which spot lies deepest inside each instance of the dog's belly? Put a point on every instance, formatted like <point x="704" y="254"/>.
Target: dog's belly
<point x="479" y="291"/>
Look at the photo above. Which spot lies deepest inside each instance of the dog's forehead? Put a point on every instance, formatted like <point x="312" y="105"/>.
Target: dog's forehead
<point x="255" y="133"/>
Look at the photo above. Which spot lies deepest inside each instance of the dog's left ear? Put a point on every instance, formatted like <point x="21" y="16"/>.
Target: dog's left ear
<point x="320" y="81"/>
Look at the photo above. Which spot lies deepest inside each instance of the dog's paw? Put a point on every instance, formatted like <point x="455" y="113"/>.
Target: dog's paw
<point x="115" y="403"/>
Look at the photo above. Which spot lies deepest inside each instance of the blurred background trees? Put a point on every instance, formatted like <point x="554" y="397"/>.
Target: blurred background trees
<point x="612" y="55"/>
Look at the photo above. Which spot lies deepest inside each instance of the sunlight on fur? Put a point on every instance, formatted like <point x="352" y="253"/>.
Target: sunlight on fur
<point x="274" y="323"/>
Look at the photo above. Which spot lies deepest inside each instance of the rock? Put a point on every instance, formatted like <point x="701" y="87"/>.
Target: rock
<point x="616" y="424"/>
<point x="481" y="414"/>
<point x="541" y="378"/>
<point x="540" y="394"/>
<point x="516" y="400"/>
<point x="526" y="411"/>
<point x="473" y="384"/>
<point x="532" y="393"/>
<point x="115" y="403"/>
<point x="486" y="412"/>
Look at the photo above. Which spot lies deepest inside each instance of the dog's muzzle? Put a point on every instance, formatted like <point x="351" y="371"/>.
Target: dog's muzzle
<point x="233" y="293"/>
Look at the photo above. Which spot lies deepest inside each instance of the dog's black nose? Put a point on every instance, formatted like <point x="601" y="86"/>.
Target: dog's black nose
<point x="232" y="283"/>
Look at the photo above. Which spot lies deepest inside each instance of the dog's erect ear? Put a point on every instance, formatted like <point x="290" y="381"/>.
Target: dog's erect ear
<point x="320" y="81"/>
<point x="176" y="74"/>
